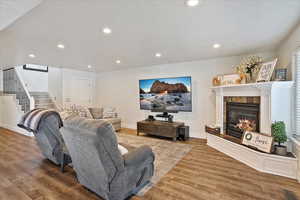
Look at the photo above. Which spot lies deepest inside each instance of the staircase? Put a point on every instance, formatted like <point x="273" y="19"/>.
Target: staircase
<point x="43" y="100"/>
<point x="13" y="85"/>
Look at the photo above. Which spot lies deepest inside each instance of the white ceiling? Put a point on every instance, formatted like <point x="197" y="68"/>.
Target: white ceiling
<point x="140" y="28"/>
<point x="11" y="10"/>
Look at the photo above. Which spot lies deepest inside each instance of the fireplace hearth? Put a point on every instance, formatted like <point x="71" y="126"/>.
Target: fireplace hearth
<point x="241" y="112"/>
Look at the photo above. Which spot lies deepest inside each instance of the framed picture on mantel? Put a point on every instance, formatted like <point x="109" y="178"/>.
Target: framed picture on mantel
<point x="266" y="71"/>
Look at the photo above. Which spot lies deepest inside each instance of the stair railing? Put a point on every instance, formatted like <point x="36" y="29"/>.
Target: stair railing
<point x="14" y="84"/>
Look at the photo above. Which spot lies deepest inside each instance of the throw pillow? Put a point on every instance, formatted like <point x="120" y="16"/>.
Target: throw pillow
<point x="109" y="113"/>
<point x="97" y="113"/>
<point x="65" y="114"/>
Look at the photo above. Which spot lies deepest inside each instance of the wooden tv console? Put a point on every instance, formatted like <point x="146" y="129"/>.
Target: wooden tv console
<point x="159" y="128"/>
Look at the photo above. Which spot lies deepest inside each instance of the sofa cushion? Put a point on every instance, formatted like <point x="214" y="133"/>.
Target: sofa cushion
<point x="97" y="113"/>
<point x="113" y="120"/>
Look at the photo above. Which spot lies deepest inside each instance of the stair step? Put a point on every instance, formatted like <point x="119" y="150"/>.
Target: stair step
<point x="43" y="101"/>
<point x="41" y="97"/>
<point x="38" y="93"/>
<point x="48" y="106"/>
<point x="44" y="104"/>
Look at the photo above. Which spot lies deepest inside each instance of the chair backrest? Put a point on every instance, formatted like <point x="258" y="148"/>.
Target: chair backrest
<point x="94" y="151"/>
<point x="49" y="138"/>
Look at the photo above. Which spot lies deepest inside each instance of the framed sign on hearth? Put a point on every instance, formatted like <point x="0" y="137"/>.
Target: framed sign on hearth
<point x="258" y="141"/>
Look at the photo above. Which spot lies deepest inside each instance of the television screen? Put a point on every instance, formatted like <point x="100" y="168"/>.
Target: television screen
<point x="166" y="94"/>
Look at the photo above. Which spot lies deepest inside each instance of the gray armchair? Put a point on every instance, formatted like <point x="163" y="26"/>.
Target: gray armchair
<point x="99" y="165"/>
<point x="50" y="141"/>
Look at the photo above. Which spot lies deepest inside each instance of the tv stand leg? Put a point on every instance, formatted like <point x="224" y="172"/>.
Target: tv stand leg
<point x="174" y="139"/>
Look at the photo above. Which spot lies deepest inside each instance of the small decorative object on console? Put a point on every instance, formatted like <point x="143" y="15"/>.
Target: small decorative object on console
<point x="258" y="141"/>
<point x="217" y="81"/>
<point x="212" y="129"/>
<point x="280" y="74"/>
<point x="166" y="116"/>
<point x="266" y="71"/>
<point x="150" y="118"/>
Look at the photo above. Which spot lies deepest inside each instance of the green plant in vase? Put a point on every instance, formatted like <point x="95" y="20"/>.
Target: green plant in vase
<point x="279" y="135"/>
<point x="249" y="66"/>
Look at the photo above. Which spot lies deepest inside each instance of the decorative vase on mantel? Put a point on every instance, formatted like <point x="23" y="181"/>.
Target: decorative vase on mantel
<point x="249" y="67"/>
<point x="249" y="78"/>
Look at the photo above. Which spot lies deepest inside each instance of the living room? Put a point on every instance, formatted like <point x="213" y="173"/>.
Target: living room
<point x="223" y="122"/>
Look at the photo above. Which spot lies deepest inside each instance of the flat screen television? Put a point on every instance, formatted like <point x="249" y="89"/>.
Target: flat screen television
<point x="166" y="94"/>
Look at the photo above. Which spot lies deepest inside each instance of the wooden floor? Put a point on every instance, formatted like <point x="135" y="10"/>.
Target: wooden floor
<point x="204" y="173"/>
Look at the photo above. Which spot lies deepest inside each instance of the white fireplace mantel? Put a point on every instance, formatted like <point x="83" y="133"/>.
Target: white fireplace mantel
<point x="275" y="101"/>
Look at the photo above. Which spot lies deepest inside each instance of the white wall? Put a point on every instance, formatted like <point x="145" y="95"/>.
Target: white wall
<point x="286" y="50"/>
<point x="1" y="80"/>
<point x="55" y="85"/>
<point x="59" y="86"/>
<point x="120" y="89"/>
<point x="62" y="87"/>
<point x="35" y="81"/>
<point x="10" y="114"/>
<point x="69" y="87"/>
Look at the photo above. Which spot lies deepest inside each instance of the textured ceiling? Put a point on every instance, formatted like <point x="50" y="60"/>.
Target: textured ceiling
<point x="11" y="10"/>
<point x="140" y="28"/>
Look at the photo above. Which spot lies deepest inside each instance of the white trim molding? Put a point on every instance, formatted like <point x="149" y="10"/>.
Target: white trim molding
<point x="296" y="151"/>
<point x="263" y="162"/>
<point x="273" y="107"/>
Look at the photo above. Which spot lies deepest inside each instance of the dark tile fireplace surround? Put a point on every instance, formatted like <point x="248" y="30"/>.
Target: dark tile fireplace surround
<point x="240" y="108"/>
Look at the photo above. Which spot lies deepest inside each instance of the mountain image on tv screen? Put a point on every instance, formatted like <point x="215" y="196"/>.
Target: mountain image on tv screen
<point x="166" y="94"/>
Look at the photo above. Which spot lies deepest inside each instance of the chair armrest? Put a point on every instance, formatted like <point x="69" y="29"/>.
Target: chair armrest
<point x="139" y="156"/>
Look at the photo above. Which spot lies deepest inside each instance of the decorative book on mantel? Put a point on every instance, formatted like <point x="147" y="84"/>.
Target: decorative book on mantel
<point x="251" y="70"/>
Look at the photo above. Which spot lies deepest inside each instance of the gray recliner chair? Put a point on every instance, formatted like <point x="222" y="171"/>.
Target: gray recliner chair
<point x="50" y="141"/>
<point x="99" y="165"/>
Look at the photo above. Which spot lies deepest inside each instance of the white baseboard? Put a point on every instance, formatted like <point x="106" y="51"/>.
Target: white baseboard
<point x="17" y="130"/>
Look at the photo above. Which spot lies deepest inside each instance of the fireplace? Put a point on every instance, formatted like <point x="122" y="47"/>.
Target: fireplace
<point x="238" y="113"/>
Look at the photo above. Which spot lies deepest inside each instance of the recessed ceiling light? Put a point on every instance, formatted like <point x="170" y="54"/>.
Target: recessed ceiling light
<point x="192" y="3"/>
<point x="158" y="55"/>
<point x="89" y="66"/>
<point x="216" y="46"/>
<point x="106" y="30"/>
<point x="60" y="46"/>
<point x="118" y="61"/>
<point x="31" y="56"/>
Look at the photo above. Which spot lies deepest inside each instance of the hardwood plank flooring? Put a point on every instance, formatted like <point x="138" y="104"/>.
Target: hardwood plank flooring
<point x="203" y="173"/>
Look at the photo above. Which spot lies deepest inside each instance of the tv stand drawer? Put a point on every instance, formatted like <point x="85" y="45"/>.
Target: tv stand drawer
<point x="159" y="128"/>
<point x="147" y="128"/>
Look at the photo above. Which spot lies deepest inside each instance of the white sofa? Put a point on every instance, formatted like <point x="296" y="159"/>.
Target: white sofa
<point x="107" y="114"/>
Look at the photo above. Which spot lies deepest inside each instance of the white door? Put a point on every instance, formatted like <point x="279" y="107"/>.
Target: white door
<point x="82" y="91"/>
